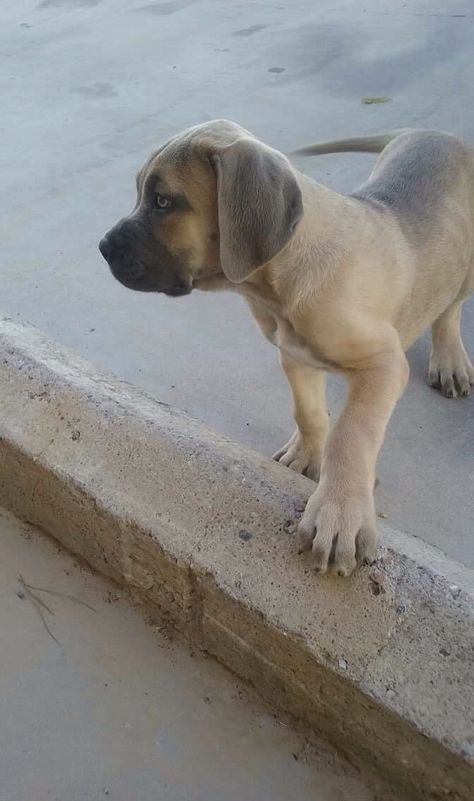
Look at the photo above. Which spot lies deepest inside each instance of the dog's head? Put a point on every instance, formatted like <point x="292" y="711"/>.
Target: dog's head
<point x="212" y="200"/>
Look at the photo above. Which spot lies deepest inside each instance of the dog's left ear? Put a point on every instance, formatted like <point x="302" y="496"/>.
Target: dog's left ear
<point x="259" y="206"/>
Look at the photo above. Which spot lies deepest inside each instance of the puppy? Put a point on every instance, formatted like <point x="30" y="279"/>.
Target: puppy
<point x="337" y="282"/>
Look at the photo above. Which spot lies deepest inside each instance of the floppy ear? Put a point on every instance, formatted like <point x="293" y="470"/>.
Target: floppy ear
<point x="259" y="204"/>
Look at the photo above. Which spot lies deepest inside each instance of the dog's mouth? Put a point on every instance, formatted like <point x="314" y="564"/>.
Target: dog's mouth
<point x="137" y="278"/>
<point x="177" y="291"/>
<point x="143" y="285"/>
<point x="154" y="269"/>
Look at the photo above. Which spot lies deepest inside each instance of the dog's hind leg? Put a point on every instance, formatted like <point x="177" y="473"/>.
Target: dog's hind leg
<point x="450" y="368"/>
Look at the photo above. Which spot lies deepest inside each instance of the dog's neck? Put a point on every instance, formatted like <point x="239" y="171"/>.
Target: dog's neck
<point x="317" y="240"/>
<point x="309" y="259"/>
<point x="312" y="255"/>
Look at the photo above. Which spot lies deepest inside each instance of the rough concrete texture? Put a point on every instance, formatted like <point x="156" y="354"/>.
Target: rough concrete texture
<point x="380" y="664"/>
<point x="90" y="87"/>
<point x="115" y="708"/>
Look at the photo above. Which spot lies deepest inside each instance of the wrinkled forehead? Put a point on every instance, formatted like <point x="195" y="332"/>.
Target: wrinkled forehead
<point x="170" y="168"/>
<point x="183" y="152"/>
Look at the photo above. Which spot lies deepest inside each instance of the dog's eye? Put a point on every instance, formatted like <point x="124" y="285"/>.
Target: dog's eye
<point x="162" y="203"/>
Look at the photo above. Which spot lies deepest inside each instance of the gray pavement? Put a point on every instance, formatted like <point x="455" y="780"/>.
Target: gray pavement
<point x="88" y="87"/>
<point x="111" y="708"/>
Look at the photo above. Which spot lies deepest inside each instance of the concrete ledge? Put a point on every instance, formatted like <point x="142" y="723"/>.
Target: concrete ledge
<point x="380" y="664"/>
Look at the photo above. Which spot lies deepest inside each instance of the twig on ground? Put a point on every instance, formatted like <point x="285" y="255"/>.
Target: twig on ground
<point x="37" y="603"/>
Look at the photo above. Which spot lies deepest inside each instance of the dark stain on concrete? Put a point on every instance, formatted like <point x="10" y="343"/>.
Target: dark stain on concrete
<point x="335" y="56"/>
<point x="69" y="3"/>
<point x="99" y="90"/>
<point x="250" y="31"/>
<point x="165" y="8"/>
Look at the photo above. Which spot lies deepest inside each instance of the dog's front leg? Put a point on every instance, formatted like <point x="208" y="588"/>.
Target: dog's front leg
<point x="303" y="452"/>
<point x="339" y="521"/>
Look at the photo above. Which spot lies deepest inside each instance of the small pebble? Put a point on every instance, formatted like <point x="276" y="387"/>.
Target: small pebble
<point x="377" y="580"/>
<point x="289" y="527"/>
<point x="382" y="515"/>
<point x="342" y="664"/>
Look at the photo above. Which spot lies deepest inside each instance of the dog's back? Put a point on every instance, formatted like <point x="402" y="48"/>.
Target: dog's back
<point x="416" y="173"/>
<point x="425" y="180"/>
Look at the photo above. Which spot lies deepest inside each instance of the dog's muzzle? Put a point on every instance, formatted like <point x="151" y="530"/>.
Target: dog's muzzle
<point x="141" y="263"/>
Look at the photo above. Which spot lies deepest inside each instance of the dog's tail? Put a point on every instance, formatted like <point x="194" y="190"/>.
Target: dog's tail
<point x="359" y="144"/>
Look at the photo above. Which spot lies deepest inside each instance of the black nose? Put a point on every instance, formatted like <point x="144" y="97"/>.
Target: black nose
<point x="105" y="247"/>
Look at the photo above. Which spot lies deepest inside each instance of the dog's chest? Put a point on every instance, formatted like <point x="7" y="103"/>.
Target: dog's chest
<point x="292" y="344"/>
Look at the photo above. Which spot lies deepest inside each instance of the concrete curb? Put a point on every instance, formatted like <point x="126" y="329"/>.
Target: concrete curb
<point x="380" y="664"/>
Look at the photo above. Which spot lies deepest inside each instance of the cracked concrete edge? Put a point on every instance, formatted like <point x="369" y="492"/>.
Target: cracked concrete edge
<point x="380" y="664"/>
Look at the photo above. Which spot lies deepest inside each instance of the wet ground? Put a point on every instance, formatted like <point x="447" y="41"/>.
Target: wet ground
<point x="97" y="702"/>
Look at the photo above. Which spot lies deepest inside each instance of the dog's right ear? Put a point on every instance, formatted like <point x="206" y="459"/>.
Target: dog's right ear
<point x="259" y="205"/>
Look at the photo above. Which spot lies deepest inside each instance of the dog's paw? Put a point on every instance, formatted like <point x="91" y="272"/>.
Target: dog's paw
<point x="301" y="454"/>
<point x="340" y="531"/>
<point x="453" y="376"/>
